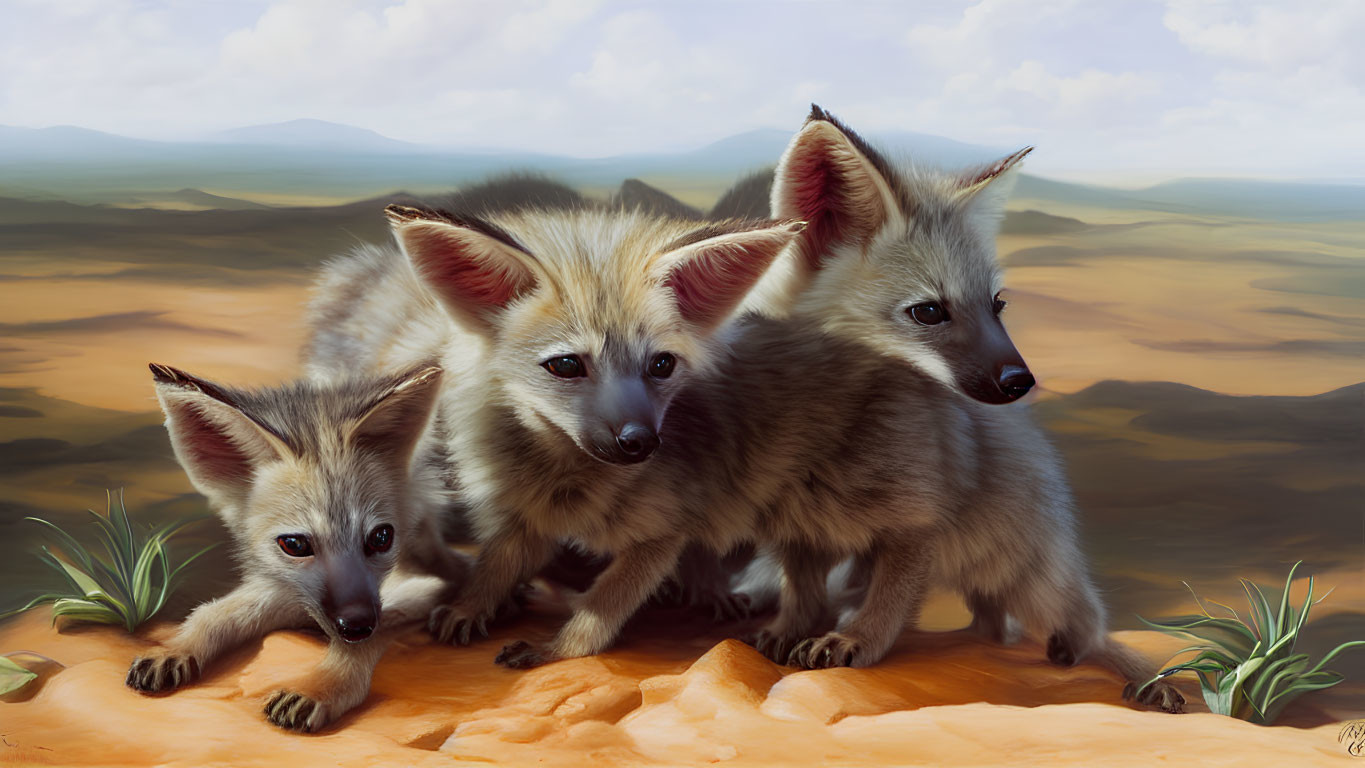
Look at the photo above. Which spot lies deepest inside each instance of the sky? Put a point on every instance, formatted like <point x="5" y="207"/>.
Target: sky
<point x="1137" y="89"/>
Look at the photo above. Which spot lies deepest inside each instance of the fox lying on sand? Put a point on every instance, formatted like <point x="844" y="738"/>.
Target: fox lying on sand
<point x="566" y="335"/>
<point x="319" y="489"/>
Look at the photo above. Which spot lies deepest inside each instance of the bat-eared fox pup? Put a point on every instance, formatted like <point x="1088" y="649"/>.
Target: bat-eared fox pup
<point x="869" y="420"/>
<point x="319" y="489"/>
<point x="566" y="335"/>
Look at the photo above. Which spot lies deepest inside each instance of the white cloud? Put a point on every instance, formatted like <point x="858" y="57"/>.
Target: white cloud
<point x="1286" y="84"/>
<point x="1081" y="93"/>
<point x="1276" y="36"/>
<point x="1181" y="87"/>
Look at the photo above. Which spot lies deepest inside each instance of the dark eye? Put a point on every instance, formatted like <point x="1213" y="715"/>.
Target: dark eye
<point x="928" y="313"/>
<point x="566" y="367"/>
<point x="661" y="367"/>
<point x="999" y="304"/>
<point x="379" y="540"/>
<point x="295" y="545"/>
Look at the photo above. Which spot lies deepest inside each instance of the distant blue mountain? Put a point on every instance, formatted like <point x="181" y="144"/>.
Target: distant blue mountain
<point x="315" y="157"/>
<point x="315" y="134"/>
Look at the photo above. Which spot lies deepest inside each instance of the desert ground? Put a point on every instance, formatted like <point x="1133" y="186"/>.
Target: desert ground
<point x="1203" y="374"/>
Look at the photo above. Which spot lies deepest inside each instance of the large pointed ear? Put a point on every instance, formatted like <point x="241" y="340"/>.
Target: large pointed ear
<point x="475" y="268"/>
<point x="391" y="424"/>
<point x="985" y="189"/>
<point x="712" y="269"/>
<point x="830" y="178"/>
<point x="218" y="444"/>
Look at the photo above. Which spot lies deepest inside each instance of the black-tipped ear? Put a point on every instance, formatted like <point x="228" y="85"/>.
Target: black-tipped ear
<point x="217" y="443"/>
<point x="817" y="113"/>
<point x="393" y="423"/>
<point x="829" y="177"/>
<point x="977" y="179"/>
<point x="982" y="191"/>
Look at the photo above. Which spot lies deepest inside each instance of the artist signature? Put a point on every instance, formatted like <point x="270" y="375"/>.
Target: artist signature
<point x="1353" y="736"/>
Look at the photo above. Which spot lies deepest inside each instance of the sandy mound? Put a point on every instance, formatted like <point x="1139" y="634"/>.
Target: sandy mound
<point x="941" y="698"/>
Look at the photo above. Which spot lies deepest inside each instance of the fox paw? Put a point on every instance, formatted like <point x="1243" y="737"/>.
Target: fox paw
<point x="727" y="606"/>
<point x="1160" y="694"/>
<point x="296" y="712"/>
<point x="523" y="655"/>
<point x="829" y="650"/>
<point x="775" y="645"/>
<point x="452" y="624"/>
<point x="1060" y="651"/>
<point x="161" y="672"/>
<point x="724" y="604"/>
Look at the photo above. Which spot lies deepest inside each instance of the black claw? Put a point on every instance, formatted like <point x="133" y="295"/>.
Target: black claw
<point x="303" y="712"/>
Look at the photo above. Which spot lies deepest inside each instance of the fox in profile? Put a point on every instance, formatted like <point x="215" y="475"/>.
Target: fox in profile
<point x="566" y="334"/>
<point x="888" y="374"/>
<point x="328" y="496"/>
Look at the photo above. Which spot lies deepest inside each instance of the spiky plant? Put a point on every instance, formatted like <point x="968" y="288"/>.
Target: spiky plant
<point x="1248" y="669"/>
<point x="126" y="585"/>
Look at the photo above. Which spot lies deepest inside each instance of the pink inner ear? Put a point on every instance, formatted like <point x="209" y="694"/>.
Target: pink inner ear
<point x="715" y="279"/>
<point x="818" y="194"/>
<point x="213" y="455"/>
<point x="452" y="265"/>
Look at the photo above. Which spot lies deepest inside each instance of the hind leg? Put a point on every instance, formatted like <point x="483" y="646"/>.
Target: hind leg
<point x="1066" y="609"/>
<point x="1137" y="671"/>
<point x="989" y="618"/>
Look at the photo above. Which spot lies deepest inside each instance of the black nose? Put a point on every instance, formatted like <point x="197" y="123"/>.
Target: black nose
<point x="1015" y="381"/>
<point x="636" y="442"/>
<point x="355" y="624"/>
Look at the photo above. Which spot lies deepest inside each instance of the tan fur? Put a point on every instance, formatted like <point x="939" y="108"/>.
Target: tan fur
<point x="524" y="454"/>
<point x="331" y="462"/>
<point x="839" y="430"/>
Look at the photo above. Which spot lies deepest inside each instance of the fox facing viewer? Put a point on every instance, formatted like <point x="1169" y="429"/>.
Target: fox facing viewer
<point x="566" y="335"/>
<point x="318" y="487"/>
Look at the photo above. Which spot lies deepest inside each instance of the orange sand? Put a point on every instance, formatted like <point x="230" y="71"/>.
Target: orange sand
<point x="673" y="693"/>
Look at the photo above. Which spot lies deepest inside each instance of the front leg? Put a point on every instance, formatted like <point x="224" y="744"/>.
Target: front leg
<point x="702" y="581"/>
<point x="898" y="582"/>
<point x="504" y="561"/>
<point x="614" y="597"/>
<point x="332" y="689"/>
<point x="245" y="613"/>
<point x="802" y="601"/>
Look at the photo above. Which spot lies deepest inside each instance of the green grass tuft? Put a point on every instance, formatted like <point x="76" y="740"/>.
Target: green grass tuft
<point x="1248" y="669"/>
<point x="13" y="677"/>
<point x="127" y="585"/>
